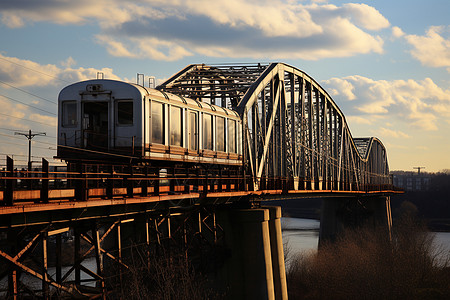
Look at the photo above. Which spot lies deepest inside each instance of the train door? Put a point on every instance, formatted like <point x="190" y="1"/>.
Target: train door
<point x="95" y="125"/>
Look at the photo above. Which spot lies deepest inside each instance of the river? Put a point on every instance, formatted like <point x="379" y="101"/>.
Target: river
<point x="302" y="235"/>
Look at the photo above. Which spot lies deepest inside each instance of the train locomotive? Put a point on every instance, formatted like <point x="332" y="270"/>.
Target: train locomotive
<point x="110" y="121"/>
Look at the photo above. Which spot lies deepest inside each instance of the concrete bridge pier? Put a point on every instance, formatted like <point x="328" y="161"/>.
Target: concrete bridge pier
<point x="339" y="213"/>
<point x="255" y="268"/>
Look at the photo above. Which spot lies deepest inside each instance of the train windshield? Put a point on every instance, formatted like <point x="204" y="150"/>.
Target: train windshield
<point x="125" y="112"/>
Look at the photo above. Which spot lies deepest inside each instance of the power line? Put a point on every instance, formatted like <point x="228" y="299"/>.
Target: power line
<point x="45" y="143"/>
<point x="30" y="135"/>
<point x="25" y="119"/>
<point x="11" y="143"/>
<point x="3" y="128"/>
<point x="23" y="155"/>
<point x="21" y="145"/>
<point x="10" y="85"/>
<point x="12" y="99"/>
<point x="47" y="136"/>
<point x="418" y="169"/>
<point x="39" y="142"/>
<point x="2" y="58"/>
<point x="11" y="136"/>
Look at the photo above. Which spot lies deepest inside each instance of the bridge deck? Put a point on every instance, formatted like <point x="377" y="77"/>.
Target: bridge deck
<point x="212" y="197"/>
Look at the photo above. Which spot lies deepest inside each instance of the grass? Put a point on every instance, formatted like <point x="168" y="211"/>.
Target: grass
<point x="364" y="264"/>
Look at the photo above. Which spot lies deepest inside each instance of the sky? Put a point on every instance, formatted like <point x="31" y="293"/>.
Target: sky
<point x="385" y="63"/>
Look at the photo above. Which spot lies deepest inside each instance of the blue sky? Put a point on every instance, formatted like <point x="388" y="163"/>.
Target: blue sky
<point x="385" y="63"/>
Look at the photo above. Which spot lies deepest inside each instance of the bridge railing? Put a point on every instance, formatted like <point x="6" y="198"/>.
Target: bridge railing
<point x="82" y="182"/>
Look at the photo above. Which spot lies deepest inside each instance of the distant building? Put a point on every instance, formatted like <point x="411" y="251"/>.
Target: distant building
<point x="411" y="181"/>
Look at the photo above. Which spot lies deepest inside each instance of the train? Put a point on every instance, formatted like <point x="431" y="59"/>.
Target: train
<point x="110" y="120"/>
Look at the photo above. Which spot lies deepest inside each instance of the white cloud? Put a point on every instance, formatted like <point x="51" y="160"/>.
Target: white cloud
<point x="422" y="148"/>
<point x="69" y="62"/>
<point x="358" y="120"/>
<point x="433" y="49"/>
<point x="22" y="73"/>
<point x="172" y="29"/>
<point x="385" y="132"/>
<point x="274" y="18"/>
<point x="17" y="71"/>
<point x="114" y="47"/>
<point x="148" y="48"/>
<point x="397" y="32"/>
<point x="50" y="120"/>
<point x="67" y="12"/>
<point x="12" y="21"/>
<point x="342" y="86"/>
<point x="421" y="104"/>
<point x="13" y="112"/>
<point x="366" y="16"/>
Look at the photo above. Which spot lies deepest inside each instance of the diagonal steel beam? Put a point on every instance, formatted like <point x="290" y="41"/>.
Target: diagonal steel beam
<point x="276" y="100"/>
<point x="34" y="273"/>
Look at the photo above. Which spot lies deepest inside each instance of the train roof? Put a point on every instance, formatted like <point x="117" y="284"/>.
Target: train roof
<point x="107" y="85"/>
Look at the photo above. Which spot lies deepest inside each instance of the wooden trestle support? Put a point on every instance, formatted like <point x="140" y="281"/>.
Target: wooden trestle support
<point x="89" y="257"/>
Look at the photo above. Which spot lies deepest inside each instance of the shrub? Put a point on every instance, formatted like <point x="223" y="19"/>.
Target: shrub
<point x="365" y="264"/>
<point x="168" y="275"/>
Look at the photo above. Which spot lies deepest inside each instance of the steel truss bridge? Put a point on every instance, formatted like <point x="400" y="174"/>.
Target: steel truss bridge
<point x="293" y="130"/>
<point x="296" y="143"/>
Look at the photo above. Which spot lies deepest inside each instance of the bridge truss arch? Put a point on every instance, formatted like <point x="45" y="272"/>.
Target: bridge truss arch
<point x="295" y="137"/>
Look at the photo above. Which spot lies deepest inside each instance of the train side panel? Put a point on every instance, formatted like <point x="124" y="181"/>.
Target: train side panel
<point x="109" y="120"/>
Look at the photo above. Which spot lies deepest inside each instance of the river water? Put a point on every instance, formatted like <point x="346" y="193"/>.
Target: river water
<point x="302" y="235"/>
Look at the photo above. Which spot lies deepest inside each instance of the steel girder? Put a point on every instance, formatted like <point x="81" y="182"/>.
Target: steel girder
<point x="295" y="136"/>
<point x="295" y="131"/>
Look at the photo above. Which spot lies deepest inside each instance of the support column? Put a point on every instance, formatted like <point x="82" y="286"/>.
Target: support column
<point x="77" y="255"/>
<point x="339" y="213"/>
<point x="45" y="287"/>
<point x="277" y="252"/>
<point x="13" y="284"/>
<point x="8" y="194"/>
<point x="330" y="225"/>
<point x="380" y="208"/>
<point x="247" y="274"/>
<point x="58" y="254"/>
<point x="99" y="259"/>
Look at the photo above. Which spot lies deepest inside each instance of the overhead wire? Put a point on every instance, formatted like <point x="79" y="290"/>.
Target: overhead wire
<point x="31" y="94"/>
<point x="15" y="100"/>
<point x="25" y="119"/>
<point x="16" y="130"/>
<point x="26" y="92"/>
<point x="34" y="141"/>
<point x="57" y="78"/>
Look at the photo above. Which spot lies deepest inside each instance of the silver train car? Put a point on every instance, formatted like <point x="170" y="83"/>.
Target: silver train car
<point x="110" y="120"/>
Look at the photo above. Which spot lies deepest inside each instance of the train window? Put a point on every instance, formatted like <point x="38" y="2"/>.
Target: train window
<point x="207" y="132"/>
<point x="69" y="113"/>
<point x="157" y="123"/>
<point x="125" y="112"/>
<point x="175" y="126"/>
<point x="220" y="134"/>
<point x="231" y="136"/>
<point x="193" y="131"/>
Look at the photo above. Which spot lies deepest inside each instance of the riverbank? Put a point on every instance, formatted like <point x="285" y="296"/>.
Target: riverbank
<point x="438" y="225"/>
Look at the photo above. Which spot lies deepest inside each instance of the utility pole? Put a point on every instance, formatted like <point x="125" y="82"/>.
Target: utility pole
<point x="30" y="135"/>
<point x="418" y="169"/>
